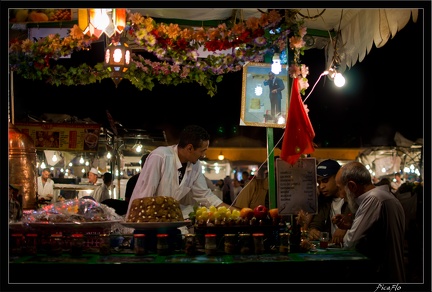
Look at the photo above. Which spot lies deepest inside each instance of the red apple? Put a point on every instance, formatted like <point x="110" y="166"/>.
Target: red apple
<point x="260" y="212"/>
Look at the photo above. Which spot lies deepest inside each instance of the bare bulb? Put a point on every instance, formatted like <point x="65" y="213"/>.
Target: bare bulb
<point x="339" y="80"/>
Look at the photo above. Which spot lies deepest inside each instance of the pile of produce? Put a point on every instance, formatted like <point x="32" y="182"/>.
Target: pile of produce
<point x="219" y="216"/>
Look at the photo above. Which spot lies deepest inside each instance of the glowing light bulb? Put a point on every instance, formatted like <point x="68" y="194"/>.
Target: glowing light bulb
<point x="101" y="19"/>
<point x="281" y="120"/>
<point x="81" y="161"/>
<point x="276" y="67"/>
<point x="43" y="165"/>
<point x="339" y="80"/>
<point x="54" y="158"/>
<point x="258" y="90"/>
<point x="109" y="155"/>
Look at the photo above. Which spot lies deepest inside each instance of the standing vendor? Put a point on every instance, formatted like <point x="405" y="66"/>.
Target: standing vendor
<point x="175" y="171"/>
<point x="92" y="180"/>
<point x="45" y="187"/>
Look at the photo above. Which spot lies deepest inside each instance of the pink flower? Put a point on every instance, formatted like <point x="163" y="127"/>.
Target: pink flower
<point x="296" y="42"/>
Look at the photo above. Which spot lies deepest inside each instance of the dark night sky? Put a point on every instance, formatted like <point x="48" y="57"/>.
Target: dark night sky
<point x="383" y="94"/>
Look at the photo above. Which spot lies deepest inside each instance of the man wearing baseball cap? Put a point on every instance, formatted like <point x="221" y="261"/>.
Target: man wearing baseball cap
<point x="331" y="202"/>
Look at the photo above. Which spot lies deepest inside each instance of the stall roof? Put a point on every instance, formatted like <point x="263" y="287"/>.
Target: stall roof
<point x="360" y="28"/>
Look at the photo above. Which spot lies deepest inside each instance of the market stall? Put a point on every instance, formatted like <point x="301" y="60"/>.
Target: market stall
<point x="51" y="241"/>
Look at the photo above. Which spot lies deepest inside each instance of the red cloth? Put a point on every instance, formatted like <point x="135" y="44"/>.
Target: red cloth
<point x="299" y="133"/>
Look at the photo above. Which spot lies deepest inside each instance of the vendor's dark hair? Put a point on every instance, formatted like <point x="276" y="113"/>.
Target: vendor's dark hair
<point x="107" y="177"/>
<point x="194" y="135"/>
<point x="143" y="159"/>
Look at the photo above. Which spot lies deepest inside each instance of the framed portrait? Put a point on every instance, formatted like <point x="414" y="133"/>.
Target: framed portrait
<point x="264" y="101"/>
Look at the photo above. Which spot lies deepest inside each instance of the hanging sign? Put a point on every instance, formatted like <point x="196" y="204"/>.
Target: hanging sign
<point x="296" y="186"/>
<point x="40" y="15"/>
<point x="62" y="136"/>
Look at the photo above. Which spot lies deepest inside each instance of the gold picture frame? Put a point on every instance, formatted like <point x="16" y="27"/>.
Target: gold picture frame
<point x="255" y="107"/>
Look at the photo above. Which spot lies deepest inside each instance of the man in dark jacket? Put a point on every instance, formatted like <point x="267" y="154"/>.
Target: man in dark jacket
<point x="276" y="86"/>
<point x="330" y="203"/>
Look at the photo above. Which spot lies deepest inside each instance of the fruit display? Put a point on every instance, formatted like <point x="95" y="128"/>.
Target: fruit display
<point x="220" y="216"/>
<point x="39" y="15"/>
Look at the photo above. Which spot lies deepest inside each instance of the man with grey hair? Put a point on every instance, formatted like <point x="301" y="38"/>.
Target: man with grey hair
<point x="377" y="230"/>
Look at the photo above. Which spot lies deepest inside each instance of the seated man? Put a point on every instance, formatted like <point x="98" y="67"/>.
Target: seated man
<point x="331" y="202"/>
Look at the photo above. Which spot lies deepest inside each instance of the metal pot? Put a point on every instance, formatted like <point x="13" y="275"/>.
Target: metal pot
<point x="22" y="166"/>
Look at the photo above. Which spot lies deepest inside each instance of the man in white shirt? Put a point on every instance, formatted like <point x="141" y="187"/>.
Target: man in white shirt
<point x="175" y="171"/>
<point x="45" y="187"/>
<point x="92" y="180"/>
<point x="101" y="193"/>
<point x="397" y="182"/>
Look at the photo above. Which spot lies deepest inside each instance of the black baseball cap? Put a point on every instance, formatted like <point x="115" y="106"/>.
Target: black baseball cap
<point x="328" y="168"/>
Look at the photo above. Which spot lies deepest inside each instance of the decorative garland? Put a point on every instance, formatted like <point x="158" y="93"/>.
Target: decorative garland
<point x="176" y="48"/>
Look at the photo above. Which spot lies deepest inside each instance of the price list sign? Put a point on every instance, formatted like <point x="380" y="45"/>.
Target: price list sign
<point x="62" y="136"/>
<point x="296" y="186"/>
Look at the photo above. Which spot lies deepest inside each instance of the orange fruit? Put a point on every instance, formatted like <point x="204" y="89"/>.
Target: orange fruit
<point x="274" y="213"/>
<point x="246" y="213"/>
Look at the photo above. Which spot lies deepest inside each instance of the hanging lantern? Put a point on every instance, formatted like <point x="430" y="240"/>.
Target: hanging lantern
<point x="117" y="59"/>
<point x="95" y="22"/>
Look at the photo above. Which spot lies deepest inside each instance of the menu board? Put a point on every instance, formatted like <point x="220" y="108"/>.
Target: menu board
<point x="62" y="136"/>
<point x="296" y="186"/>
<point x="40" y="15"/>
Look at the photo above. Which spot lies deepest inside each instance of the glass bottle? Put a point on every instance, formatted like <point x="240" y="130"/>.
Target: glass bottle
<point x="104" y="244"/>
<point x="162" y="245"/>
<point x="190" y="244"/>
<point x="139" y="244"/>
<point x="56" y="244"/>
<point x="245" y="243"/>
<point x="258" y="242"/>
<point x="31" y="244"/>
<point x="17" y="240"/>
<point x="210" y="244"/>
<point x="295" y="238"/>
<point x="230" y="243"/>
<point x="76" y="244"/>
<point x="284" y="245"/>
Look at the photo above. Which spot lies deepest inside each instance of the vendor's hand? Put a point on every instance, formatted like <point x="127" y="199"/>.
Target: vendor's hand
<point x="314" y="234"/>
<point x="338" y="236"/>
<point x="274" y="91"/>
<point x="342" y="221"/>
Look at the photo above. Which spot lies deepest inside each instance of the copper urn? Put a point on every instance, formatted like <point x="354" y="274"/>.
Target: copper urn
<point x="22" y="166"/>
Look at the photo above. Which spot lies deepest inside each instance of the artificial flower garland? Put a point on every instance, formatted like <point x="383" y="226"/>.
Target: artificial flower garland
<point x="176" y="48"/>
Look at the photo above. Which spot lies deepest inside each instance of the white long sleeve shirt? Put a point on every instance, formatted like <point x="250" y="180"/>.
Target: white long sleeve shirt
<point x="44" y="190"/>
<point x="159" y="177"/>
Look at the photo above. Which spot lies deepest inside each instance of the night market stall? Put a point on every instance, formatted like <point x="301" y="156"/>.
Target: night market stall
<point x="145" y="46"/>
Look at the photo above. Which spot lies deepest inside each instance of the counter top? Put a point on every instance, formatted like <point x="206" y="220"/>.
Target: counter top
<point x="285" y="268"/>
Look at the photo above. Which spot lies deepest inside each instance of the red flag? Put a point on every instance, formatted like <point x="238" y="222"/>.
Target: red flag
<point x="299" y="133"/>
